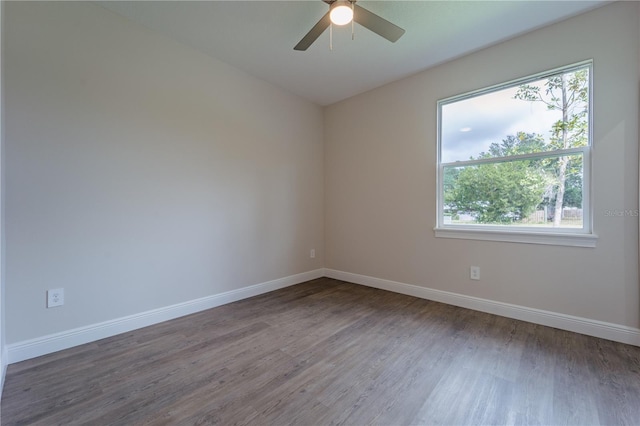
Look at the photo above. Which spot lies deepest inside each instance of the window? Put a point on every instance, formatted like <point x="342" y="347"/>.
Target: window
<point x="514" y="160"/>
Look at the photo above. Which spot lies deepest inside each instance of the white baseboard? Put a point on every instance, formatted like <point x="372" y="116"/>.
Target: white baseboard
<point x="604" y="330"/>
<point x="32" y="348"/>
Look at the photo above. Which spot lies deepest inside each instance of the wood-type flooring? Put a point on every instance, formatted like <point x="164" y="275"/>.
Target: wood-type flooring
<point x="330" y="352"/>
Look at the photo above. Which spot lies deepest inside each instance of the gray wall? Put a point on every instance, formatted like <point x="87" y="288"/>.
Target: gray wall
<point x="380" y="170"/>
<point x="141" y="173"/>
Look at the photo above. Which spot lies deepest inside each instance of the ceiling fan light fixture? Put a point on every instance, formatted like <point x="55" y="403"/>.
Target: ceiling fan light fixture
<point x="341" y="12"/>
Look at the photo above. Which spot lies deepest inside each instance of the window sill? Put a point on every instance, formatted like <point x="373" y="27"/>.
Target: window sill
<point x="526" y="237"/>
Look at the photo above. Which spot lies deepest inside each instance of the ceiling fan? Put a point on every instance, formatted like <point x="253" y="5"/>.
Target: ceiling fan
<point x="342" y="12"/>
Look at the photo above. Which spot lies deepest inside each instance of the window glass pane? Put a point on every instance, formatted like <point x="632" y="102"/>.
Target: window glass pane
<point x="516" y="193"/>
<point x="551" y="113"/>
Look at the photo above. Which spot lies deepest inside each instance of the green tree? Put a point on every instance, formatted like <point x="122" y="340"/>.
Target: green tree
<point x="569" y="94"/>
<point x="521" y="143"/>
<point x="501" y="192"/>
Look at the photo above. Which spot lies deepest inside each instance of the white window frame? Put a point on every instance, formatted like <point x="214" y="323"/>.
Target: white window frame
<point x="583" y="237"/>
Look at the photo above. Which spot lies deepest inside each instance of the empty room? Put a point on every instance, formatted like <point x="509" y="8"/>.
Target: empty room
<point x="320" y="212"/>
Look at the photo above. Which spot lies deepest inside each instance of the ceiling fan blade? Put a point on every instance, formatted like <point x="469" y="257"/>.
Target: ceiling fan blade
<point x="315" y="32"/>
<point x="378" y="25"/>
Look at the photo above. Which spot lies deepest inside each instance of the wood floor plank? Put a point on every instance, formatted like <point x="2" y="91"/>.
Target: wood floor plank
<point x="331" y="352"/>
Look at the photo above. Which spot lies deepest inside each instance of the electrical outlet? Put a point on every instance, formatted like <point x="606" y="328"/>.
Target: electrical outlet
<point x="474" y="273"/>
<point x="55" y="297"/>
<point x="312" y="253"/>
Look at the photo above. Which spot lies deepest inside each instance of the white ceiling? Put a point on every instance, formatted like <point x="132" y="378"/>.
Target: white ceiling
<point x="258" y="37"/>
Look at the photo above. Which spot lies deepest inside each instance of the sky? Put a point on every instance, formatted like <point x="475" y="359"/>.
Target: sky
<point x="471" y="125"/>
